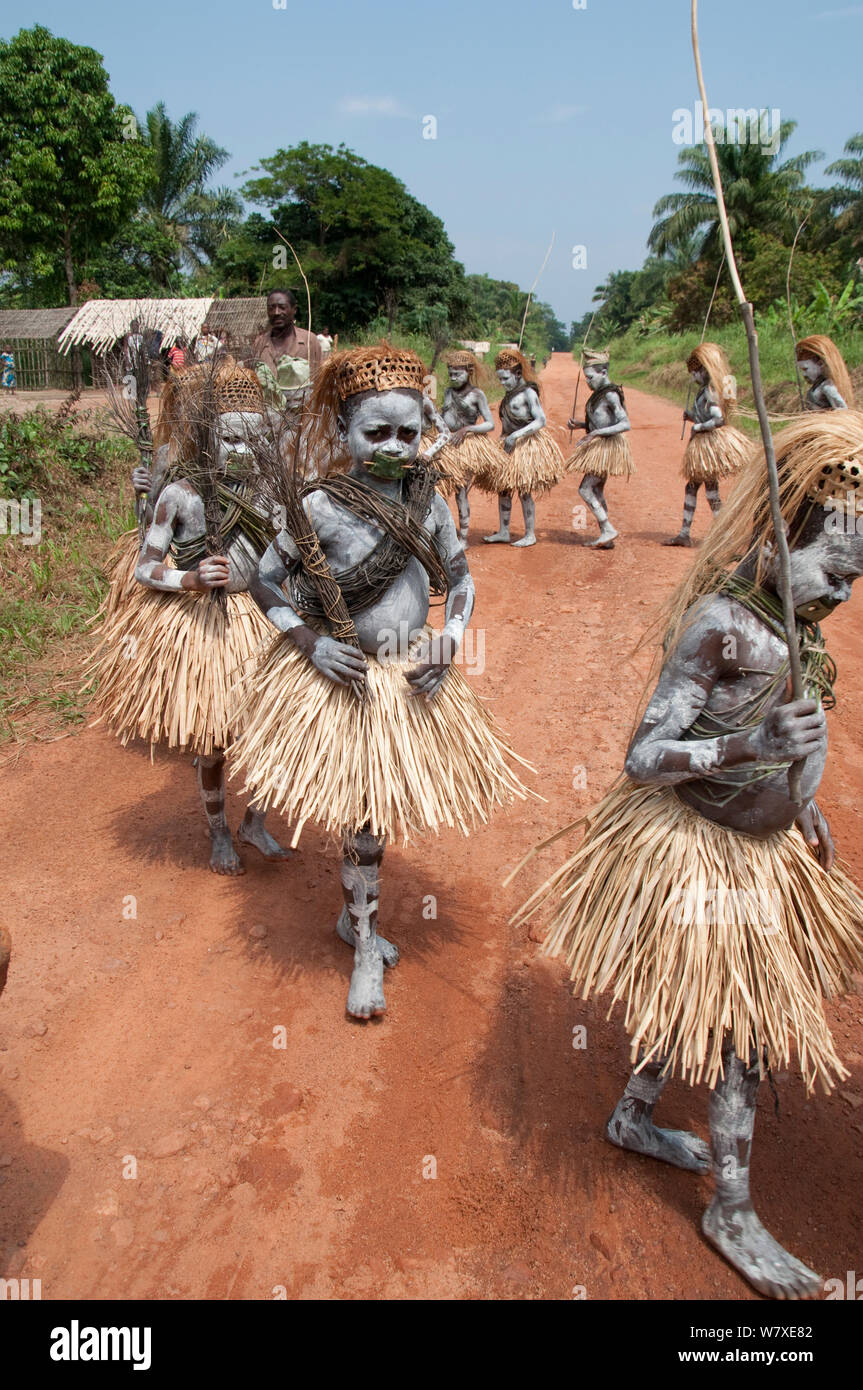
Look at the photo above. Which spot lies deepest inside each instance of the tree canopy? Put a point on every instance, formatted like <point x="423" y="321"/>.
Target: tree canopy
<point x="68" y="176"/>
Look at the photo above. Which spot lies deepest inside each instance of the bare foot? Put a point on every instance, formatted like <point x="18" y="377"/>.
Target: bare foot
<point x="529" y="539"/>
<point x="678" y="540"/>
<point x="366" y="994"/>
<point x="605" y="540"/>
<point x="499" y="537"/>
<point x="740" y="1237"/>
<point x="389" y="952"/>
<point x="463" y="535"/>
<point x="674" y="1146"/>
<point x="255" y="833"/>
<point x="224" y="858"/>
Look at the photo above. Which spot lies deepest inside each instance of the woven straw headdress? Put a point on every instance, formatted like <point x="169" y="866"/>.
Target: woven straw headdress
<point x="381" y="368"/>
<point x="235" y="389"/>
<point x="598" y="358"/>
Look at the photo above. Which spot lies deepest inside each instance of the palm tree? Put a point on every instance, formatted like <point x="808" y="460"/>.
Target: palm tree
<point x="763" y="191"/>
<point x="190" y="220"/>
<point x="848" y="201"/>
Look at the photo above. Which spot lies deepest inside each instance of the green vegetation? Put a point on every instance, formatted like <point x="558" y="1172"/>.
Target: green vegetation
<point x="95" y="201"/>
<point x="769" y="204"/>
<point x="52" y="590"/>
<point x="658" y="363"/>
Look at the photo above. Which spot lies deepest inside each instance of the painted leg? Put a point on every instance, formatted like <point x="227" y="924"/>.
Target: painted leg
<point x="361" y="864"/>
<point x="528" y="511"/>
<point x="712" y="491"/>
<point x="691" y="497"/>
<point x="591" y="490"/>
<point x="211" y="784"/>
<point x="730" y="1222"/>
<point x="631" y="1126"/>
<point x="463" y="504"/>
<point x="254" y="832"/>
<point x="504" y="507"/>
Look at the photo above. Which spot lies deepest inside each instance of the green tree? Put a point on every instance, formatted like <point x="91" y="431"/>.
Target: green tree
<point x="189" y="221"/>
<point x="366" y="245"/>
<point x="848" y="199"/>
<point x="68" y="177"/>
<point x="763" y="192"/>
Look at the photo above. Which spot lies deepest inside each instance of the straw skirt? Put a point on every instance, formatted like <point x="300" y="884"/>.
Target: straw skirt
<point x="603" y="456"/>
<point x="700" y="931"/>
<point x="715" y="454"/>
<point x="119" y="570"/>
<point x="458" y="466"/>
<point x="534" y="466"/>
<point x="392" y="762"/>
<point x="170" y="667"/>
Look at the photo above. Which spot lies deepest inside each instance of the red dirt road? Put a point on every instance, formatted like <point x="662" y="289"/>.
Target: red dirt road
<point x="154" y="1143"/>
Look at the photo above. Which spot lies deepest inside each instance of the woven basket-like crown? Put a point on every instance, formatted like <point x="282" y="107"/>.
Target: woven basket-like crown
<point x="235" y="388"/>
<point x="460" y="357"/>
<point x="598" y="357"/>
<point x="509" y="357"/>
<point x="389" y="371"/>
<point x="839" y="482"/>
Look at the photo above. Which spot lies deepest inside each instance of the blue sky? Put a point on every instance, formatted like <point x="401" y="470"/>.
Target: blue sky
<point x="549" y="118"/>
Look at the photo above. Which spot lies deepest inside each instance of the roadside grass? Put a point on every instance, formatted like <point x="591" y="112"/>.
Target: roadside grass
<point x="658" y="364"/>
<point x="50" y="591"/>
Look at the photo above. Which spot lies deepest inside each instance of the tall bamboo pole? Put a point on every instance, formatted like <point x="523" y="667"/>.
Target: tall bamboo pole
<point x="782" y="552"/>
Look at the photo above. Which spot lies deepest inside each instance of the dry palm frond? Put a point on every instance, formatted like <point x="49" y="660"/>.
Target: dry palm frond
<point x="399" y="764"/>
<point x="810" y="446"/>
<point x="535" y="465"/>
<point x="825" y="351"/>
<point x="171" y="667"/>
<point x="700" y="931"/>
<point x="603" y="456"/>
<point x="712" y="455"/>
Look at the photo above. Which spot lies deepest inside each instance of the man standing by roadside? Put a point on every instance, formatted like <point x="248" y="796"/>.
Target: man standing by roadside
<point x="286" y="357"/>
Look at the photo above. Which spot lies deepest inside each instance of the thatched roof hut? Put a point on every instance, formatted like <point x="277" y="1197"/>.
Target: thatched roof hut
<point x="31" y="334"/>
<point x="101" y="323"/>
<point x="244" y="319"/>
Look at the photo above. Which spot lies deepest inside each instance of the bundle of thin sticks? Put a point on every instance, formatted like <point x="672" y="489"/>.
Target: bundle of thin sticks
<point x="128" y="389"/>
<point x="198" y="428"/>
<point x="285" y="484"/>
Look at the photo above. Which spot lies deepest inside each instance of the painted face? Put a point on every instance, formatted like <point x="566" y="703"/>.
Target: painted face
<point x="382" y="431"/>
<point x="823" y="572"/>
<point x="595" y="376"/>
<point x="280" y="311"/>
<point x="812" y="369"/>
<point x="508" y="378"/>
<point x="699" y="376"/>
<point x="237" y="428"/>
<point x="459" y="376"/>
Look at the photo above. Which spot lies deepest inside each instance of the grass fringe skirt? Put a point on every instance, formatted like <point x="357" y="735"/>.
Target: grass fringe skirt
<point x="535" y="465"/>
<point x="392" y="762"/>
<point x="715" y="455"/>
<point x="458" y="466"/>
<point x="604" y="456"/>
<point x="170" y="667"/>
<point x="698" y="931"/>
<point x="119" y="570"/>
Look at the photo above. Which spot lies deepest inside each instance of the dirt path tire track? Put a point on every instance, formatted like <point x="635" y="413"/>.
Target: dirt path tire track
<point x="146" y="1043"/>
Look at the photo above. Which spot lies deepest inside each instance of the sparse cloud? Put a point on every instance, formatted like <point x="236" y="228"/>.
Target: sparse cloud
<point x="374" y="106"/>
<point x="560" y="114"/>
